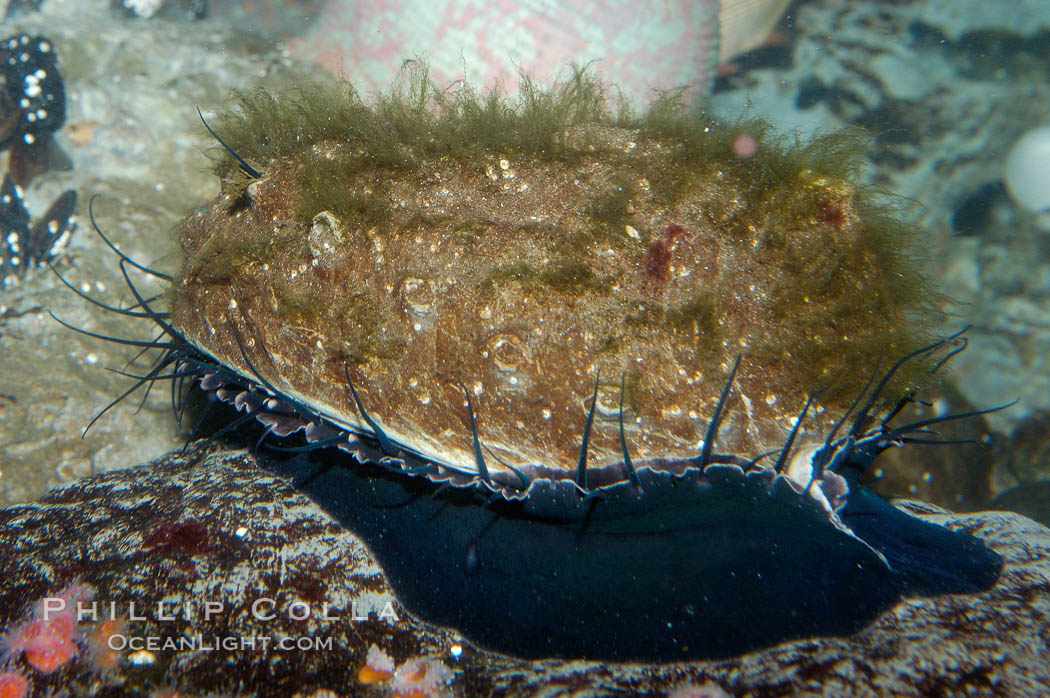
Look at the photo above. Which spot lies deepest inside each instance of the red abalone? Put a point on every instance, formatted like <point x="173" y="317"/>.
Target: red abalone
<point x="605" y="330"/>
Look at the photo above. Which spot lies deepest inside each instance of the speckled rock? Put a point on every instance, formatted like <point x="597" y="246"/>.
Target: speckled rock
<point x="134" y="137"/>
<point x="218" y="526"/>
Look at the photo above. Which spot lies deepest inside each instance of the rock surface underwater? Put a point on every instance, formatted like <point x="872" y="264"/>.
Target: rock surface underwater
<point x="208" y="524"/>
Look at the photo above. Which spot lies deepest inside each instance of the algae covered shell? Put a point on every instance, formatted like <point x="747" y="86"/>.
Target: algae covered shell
<point x="477" y="271"/>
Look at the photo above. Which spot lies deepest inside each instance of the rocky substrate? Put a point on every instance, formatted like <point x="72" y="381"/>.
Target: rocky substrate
<point x="211" y="526"/>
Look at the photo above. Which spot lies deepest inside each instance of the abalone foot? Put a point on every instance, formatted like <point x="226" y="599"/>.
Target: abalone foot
<point x="695" y="559"/>
<point x="697" y="567"/>
<point x="928" y="559"/>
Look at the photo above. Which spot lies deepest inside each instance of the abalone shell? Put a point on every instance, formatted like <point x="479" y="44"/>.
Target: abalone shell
<point x="633" y="256"/>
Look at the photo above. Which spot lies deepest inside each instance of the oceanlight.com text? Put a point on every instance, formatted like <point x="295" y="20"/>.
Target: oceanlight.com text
<point x="201" y="643"/>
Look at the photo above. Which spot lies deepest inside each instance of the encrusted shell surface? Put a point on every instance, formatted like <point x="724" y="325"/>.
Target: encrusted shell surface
<point x="525" y="280"/>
